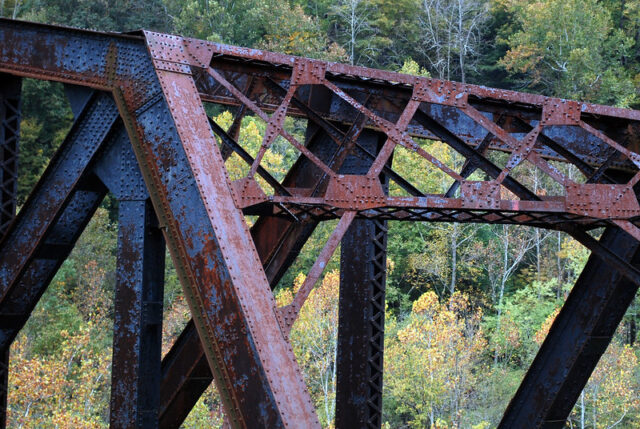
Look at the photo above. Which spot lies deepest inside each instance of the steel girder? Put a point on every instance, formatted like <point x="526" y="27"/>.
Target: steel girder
<point x="577" y="339"/>
<point x="10" y="101"/>
<point x="278" y="241"/>
<point x="361" y="312"/>
<point x="159" y="83"/>
<point x="137" y="341"/>
<point x="10" y="87"/>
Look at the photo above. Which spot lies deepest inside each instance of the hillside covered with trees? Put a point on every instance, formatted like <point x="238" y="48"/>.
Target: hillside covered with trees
<point x="468" y="305"/>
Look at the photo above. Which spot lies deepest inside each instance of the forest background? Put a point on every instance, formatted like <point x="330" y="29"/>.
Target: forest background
<point x="468" y="305"/>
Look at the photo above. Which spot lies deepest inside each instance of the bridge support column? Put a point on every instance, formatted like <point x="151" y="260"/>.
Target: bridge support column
<point x="137" y="330"/>
<point x="363" y="262"/>
<point x="137" y="341"/>
<point x="361" y="325"/>
<point x="10" y="88"/>
<point x="577" y="339"/>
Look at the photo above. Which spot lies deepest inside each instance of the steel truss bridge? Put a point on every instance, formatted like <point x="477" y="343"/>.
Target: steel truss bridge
<point x="142" y="134"/>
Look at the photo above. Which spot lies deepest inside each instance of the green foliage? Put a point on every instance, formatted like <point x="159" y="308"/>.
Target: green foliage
<point x="46" y="118"/>
<point x="269" y="24"/>
<point x="570" y="48"/>
<point x="105" y="15"/>
<point x="524" y="313"/>
<point x="413" y="68"/>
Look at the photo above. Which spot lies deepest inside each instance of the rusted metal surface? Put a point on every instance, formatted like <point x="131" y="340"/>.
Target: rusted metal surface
<point x="360" y="347"/>
<point x="136" y="377"/>
<point x="361" y="312"/>
<point x="278" y="241"/>
<point x="289" y="313"/>
<point x="10" y="87"/>
<point x="233" y="308"/>
<point x="10" y="103"/>
<point x="160" y="82"/>
<point x="577" y="339"/>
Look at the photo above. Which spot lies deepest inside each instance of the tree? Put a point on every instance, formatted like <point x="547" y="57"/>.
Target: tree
<point x="105" y="15"/>
<point x="314" y="339"/>
<point x="570" y="48"/>
<point x="353" y="28"/>
<point x="267" y="24"/>
<point x="429" y="362"/>
<point x="11" y="8"/>
<point x="512" y="246"/>
<point x="452" y="34"/>
<point x="67" y="389"/>
<point x="611" y="397"/>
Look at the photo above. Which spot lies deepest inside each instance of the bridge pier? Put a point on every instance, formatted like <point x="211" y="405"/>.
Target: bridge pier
<point x="10" y="115"/>
<point x="137" y="339"/>
<point x="361" y="308"/>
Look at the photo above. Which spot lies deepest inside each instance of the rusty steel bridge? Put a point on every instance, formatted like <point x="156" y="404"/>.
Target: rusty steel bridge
<point x="142" y="134"/>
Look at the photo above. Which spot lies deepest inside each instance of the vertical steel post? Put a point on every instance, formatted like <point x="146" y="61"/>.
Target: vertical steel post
<point x="361" y="313"/>
<point x="10" y="88"/>
<point x="135" y="392"/>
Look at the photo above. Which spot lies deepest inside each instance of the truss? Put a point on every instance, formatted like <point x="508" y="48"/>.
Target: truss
<point x="142" y="134"/>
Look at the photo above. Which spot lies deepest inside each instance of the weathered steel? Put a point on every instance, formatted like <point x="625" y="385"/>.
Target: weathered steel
<point x="72" y="201"/>
<point x="52" y="218"/>
<point x="135" y="390"/>
<point x="159" y="83"/>
<point x="10" y="103"/>
<point x="135" y="387"/>
<point x="577" y="339"/>
<point x="253" y="365"/>
<point x="10" y="88"/>
<point x="278" y="241"/>
<point x="361" y="312"/>
<point x="361" y="326"/>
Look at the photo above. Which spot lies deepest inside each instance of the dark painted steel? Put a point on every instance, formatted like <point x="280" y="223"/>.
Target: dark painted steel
<point x="135" y="387"/>
<point x="10" y="88"/>
<point x="185" y="377"/>
<point x="137" y="342"/>
<point x="10" y="103"/>
<point x="57" y="188"/>
<point x="361" y="326"/>
<point x="52" y="219"/>
<point x="577" y="339"/>
<point x="361" y="310"/>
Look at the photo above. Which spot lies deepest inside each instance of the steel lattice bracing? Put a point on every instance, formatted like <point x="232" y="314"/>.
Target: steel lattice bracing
<point x="142" y="134"/>
<point x="10" y="87"/>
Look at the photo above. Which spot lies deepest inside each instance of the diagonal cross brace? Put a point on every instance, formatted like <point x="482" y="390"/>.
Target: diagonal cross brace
<point x="61" y="185"/>
<point x="233" y="307"/>
<point x="576" y="341"/>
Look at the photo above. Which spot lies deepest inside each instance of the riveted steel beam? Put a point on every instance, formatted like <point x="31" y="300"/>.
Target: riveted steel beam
<point x="224" y="291"/>
<point x="278" y="241"/>
<point x="136" y="375"/>
<point x="63" y="179"/>
<point x="52" y="219"/>
<point x="135" y="369"/>
<point x="360" y="344"/>
<point x="10" y="87"/>
<point x="577" y="339"/>
<point x="10" y="101"/>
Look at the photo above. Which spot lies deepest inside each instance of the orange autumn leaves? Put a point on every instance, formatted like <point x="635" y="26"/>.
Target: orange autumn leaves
<point x="429" y="364"/>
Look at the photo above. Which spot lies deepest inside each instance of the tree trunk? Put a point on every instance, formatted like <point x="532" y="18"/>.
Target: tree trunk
<point x="454" y="258"/>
